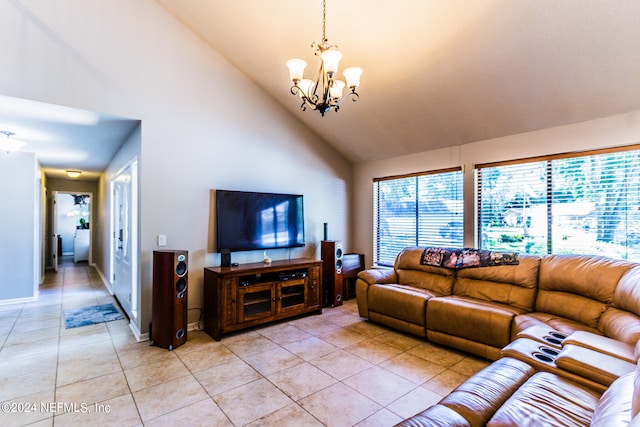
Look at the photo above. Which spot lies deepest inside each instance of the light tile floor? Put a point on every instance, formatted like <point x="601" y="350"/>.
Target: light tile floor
<point x="334" y="369"/>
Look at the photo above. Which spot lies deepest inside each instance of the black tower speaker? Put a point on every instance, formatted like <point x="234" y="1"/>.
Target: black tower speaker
<point x="170" y="286"/>
<point x="331" y="253"/>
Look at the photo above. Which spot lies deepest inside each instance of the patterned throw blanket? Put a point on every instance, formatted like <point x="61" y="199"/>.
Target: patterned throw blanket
<point x="466" y="257"/>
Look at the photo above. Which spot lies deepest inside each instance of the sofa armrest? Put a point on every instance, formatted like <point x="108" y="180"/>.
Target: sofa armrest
<point x="602" y="344"/>
<point x="435" y="416"/>
<point x="599" y="367"/>
<point x="369" y="278"/>
<point x="382" y="276"/>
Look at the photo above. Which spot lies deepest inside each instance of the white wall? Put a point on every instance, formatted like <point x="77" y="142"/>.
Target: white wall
<point x="204" y="124"/>
<point x="20" y="231"/>
<point x="606" y="132"/>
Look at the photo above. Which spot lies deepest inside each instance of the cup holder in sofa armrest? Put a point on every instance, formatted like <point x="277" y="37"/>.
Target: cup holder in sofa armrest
<point x="543" y="334"/>
<point x="543" y="357"/>
<point x="552" y="340"/>
<point x="558" y="335"/>
<point x="549" y="351"/>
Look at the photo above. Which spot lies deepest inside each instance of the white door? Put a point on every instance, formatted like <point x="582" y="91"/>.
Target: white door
<point x="124" y="243"/>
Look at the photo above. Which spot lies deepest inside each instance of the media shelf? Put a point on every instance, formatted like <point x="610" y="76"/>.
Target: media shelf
<point x="247" y="295"/>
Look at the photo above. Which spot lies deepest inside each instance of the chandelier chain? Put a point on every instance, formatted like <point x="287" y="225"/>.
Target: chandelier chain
<point x="324" y="20"/>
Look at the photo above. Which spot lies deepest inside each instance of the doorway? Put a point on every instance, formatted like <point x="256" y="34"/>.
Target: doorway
<point x="72" y="213"/>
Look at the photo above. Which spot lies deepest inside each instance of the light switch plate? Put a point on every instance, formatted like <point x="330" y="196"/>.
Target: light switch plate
<point x="162" y="240"/>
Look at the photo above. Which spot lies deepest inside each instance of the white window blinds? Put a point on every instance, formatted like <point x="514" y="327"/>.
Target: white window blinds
<point x="586" y="203"/>
<point x="423" y="209"/>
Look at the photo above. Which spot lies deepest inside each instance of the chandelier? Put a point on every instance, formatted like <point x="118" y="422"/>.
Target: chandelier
<point x="325" y="92"/>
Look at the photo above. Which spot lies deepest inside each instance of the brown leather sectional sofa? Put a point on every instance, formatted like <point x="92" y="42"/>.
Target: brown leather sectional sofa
<point x="510" y="392"/>
<point x="563" y="329"/>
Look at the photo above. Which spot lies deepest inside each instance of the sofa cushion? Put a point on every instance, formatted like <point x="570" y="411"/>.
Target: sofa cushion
<point x="514" y="285"/>
<point x="478" y="397"/>
<point x="614" y="407"/>
<point x="434" y="282"/>
<point x="547" y="400"/>
<point x="411" y="272"/>
<point x="635" y="406"/>
<point x="578" y="287"/>
<point x="620" y="325"/>
<point x="621" y="321"/>
<point x="400" y="301"/>
<point x="627" y="294"/>
<point x="477" y="320"/>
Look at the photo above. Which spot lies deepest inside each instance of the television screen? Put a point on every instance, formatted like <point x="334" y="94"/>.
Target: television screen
<point x="250" y="221"/>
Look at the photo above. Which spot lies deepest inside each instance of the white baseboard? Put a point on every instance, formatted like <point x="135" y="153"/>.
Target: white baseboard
<point x="145" y="337"/>
<point x="107" y="283"/>
<point x="19" y="300"/>
<point x="136" y="333"/>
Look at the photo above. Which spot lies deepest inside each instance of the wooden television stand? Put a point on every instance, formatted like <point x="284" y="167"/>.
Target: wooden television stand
<point x="252" y="294"/>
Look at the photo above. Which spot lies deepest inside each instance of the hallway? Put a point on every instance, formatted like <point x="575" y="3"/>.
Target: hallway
<point x="44" y="367"/>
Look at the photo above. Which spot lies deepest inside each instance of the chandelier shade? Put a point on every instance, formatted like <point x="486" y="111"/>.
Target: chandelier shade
<point x="325" y="92"/>
<point x="352" y="74"/>
<point x="296" y="69"/>
<point x="330" y="60"/>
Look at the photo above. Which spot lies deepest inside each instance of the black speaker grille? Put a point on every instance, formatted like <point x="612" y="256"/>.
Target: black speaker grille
<point x="181" y="268"/>
<point x="181" y="285"/>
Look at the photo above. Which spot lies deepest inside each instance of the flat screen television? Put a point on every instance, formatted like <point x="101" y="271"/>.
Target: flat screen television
<point x="249" y="221"/>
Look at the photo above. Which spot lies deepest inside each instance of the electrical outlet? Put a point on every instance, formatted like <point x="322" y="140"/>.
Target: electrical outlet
<point x="162" y="240"/>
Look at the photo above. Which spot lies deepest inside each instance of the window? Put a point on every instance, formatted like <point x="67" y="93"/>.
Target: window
<point x="423" y="209"/>
<point x="586" y="203"/>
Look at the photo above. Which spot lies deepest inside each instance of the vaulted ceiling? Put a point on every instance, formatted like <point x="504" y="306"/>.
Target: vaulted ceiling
<point x="437" y="73"/>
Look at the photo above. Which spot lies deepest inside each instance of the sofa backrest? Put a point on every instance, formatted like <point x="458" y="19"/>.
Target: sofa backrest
<point x="515" y="285"/>
<point x="617" y="405"/>
<point x="578" y="287"/>
<point x="621" y="320"/>
<point x="635" y="407"/>
<point x="411" y="272"/>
